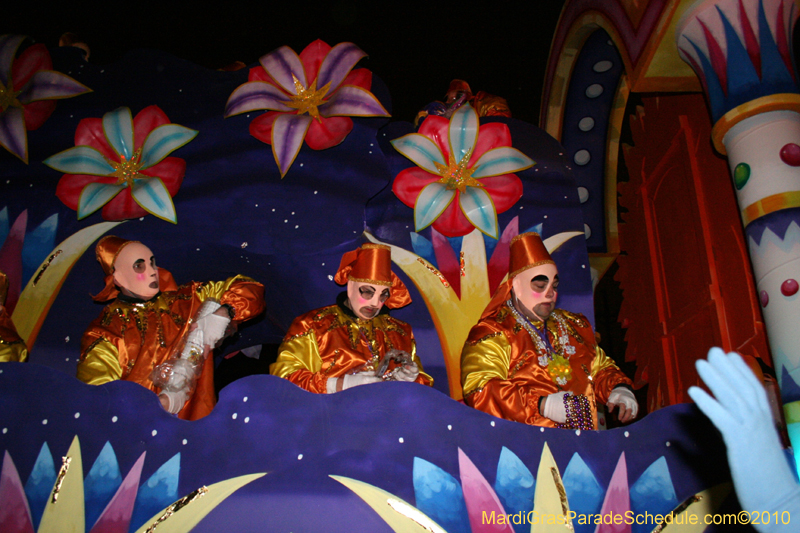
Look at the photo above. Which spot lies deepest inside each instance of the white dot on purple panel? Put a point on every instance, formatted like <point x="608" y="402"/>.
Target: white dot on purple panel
<point x="244" y="245"/>
<point x="627" y="434"/>
<point x="541" y="429"/>
<point x="370" y="151"/>
<point x="492" y="423"/>
<point x="285" y="221"/>
<point x="154" y="432"/>
<point x="77" y="415"/>
<point x="293" y="212"/>
<point x="66" y="339"/>
<point x="102" y="71"/>
<point x="114" y="419"/>
<point x="198" y="249"/>
<point x="44" y="422"/>
<point x="234" y="415"/>
<point x="141" y="219"/>
<point x="5" y="430"/>
<point x="296" y="227"/>
<point x="544" y="216"/>
<point x="669" y="444"/>
<point x="578" y="432"/>
<point x="184" y="442"/>
<point x="256" y="205"/>
<point x="582" y="157"/>
<point x="583" y="266"/>
<point x="594" y="90"/>
<point x="587" y="230"/>
<point x="449" y="427"/>
<point x="315" y="192"/>
<point x="300" y="457"/>
<point x="244" y="399"/>
<point x="301" y="164"/>
<point x="400" y="440"/>
<point x="586" y="124"/>
<point x="67" y="359"/>
<point x="273" y="209"/>
<point x="323" y="264"/>
<point x="602" y="66"/>
<point x="330" y="277"/>
<point x="247" y="420"/>
<point x="583" y="194"/>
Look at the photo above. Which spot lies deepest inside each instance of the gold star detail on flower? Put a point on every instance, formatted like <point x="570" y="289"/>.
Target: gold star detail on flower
<point x="456" y="175"/>
<point x="127" y="170"/>
<point x="307" y="100"/>
<point x="8" y="97"/>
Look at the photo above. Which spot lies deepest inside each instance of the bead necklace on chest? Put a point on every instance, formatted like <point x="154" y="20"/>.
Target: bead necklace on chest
<point x="555" y="358"/>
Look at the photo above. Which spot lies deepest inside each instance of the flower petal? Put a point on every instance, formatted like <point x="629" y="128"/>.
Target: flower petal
<point x="33" y="59"/>
<point x="327" y="132"/>
<point x="478" y="208"/>
<point x="503" y="160"/>
<point x="90" y="133"/>
<point x="96" y="195"/>
<point x="118" y="127"/>
<point x="436" y="128"/>
<point x="145" y="122"/>
<point x="171" y="171"/>
<point x="463" y="131"/>
<point x="123" y="207"/>
<point x="338" y="64"/>
<point x="288" y="132"/>
<point x="51" y="85"/>
<point x="410" y="182"/>
<point x="421" y="150"/>
<point x="360" y="77"/>
<point x="36" y="113"/>
<point x="353" y="101"/>
<point x="280" y="64"/>
<point x="255" y="95"/>
<point x="80" y="160"/>
<point x="431" y="202"/>
<point x="312" y="57"/>
<point x="13" y="136"/>
<point x="8" y="49"/>
<point x="153" y="196"/>
<point x="70" y="187"/>
<point x="505" y="190"/>
<point x="453" y="223"/>
<point x="492" y="135"/>
<point x="261" y="126"/>
<point x="164" y="140"/>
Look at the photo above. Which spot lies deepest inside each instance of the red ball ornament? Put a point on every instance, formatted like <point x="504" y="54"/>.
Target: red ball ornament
<point x="790" y="154"/>
<point x="789" y="287"/>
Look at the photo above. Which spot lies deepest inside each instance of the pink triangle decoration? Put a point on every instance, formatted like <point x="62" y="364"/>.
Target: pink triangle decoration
<point x="617" y="501"/>
<point x="15" y="515"/>
<point x="481" y="499"/>
<point x="116" y="517"/>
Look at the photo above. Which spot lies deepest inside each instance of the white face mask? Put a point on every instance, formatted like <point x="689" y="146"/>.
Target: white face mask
<point x="135" y="271"/>
<point x="536" y="291"/>
<point x="366" y="299"/>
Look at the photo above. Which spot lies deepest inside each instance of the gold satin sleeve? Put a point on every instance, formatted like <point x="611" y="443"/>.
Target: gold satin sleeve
<point x="606" y="375"/>
<point x="13" y="352"/>
<point x="484" y="360"/>
<point x="100" y="363"/>
<point x="423" y="378"/>
<point x="299" y="362"/>
<point x="244" y="294"/>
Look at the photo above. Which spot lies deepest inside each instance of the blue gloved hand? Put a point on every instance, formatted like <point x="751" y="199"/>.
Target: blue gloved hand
<point x="761" y="474"/>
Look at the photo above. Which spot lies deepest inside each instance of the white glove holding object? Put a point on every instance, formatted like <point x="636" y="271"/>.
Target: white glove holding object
<point x="173" y="401"/>
<point x="626" y="401"/>
<point x="554" y="408"/>
<point x="349" y="381"/>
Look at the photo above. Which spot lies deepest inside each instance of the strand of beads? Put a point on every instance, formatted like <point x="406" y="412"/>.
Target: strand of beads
<point x="579" y="414"/>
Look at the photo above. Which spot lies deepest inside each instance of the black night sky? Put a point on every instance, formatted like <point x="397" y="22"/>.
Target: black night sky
<point x="415" y="48"/>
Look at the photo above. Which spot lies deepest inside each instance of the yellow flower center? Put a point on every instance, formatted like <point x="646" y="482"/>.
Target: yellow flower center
<point x="127" y="170"/>
<point x="456" y="175"/>
<point x="8" y="97"/>
<point x="307" y="100"/>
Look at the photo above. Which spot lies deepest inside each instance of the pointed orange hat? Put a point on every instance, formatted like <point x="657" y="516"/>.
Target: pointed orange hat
<point x="372" y="263"/>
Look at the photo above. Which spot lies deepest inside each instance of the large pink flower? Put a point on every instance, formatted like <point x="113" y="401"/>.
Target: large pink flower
<point x="28" y="88"/>
<point x="309" y="97"/>
<point x="464" y="173"/>
<point x="120" y="163"/>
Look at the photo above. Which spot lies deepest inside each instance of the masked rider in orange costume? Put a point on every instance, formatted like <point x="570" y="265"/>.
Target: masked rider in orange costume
<point x="530" y="362"/>
<point x="340" y="346"/>
<point x="150" y="316"/>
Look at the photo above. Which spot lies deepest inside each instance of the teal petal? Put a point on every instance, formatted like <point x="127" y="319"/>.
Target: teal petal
<point x="431" y="202"/>
<point x="80" y="160"/>
<point x="164" y="140"/>
<point x="502" y="160"/>
<point x="96" y="195"/>
<point x="477" y="206"/>
<point x="463" y="132"/>
<point x="118" y="127"/>
<point x="421" y="150"/>
<point x="152" y="195"/>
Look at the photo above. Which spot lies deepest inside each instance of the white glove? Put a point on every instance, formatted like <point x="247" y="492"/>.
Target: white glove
<point x="741" y="412"/>
<point x="173" y="401"/>
<point x="351" y="380"/>
<point x="554" y="407"/>
<point x="407" y="372"/>
<point x="181" y="376"/>
<point x="628" y="406"/>
<point x="213" y="328"/>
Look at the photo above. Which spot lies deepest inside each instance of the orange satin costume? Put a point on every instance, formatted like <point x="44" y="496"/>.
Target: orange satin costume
<point x="501" y="374"/>
<point x="329" y="343"/>
<point x="130" y="338"/>
<point x="332" y="341"/>
<point x="12" y="347"/>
